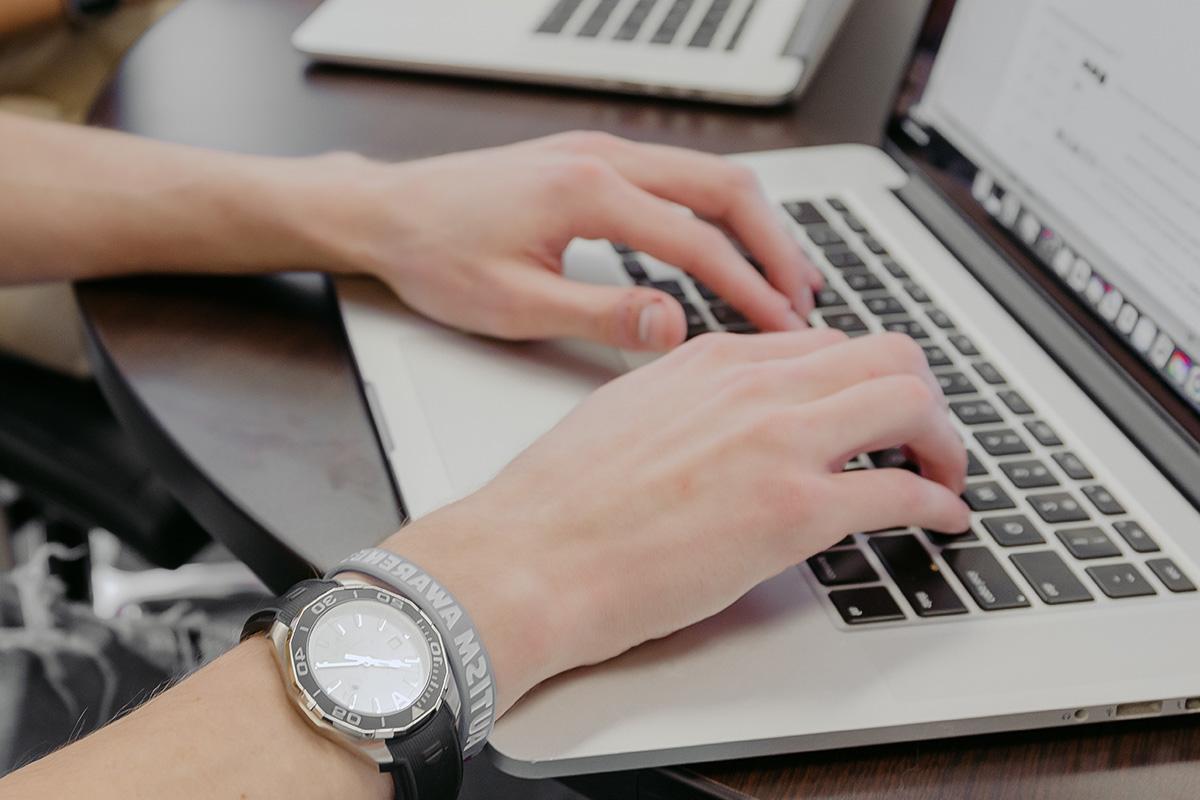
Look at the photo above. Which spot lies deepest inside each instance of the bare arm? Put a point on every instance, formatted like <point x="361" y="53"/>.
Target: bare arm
<point x="679" y="515"/>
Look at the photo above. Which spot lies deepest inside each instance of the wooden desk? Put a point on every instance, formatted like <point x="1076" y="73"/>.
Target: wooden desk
<point x="242" y="390"/>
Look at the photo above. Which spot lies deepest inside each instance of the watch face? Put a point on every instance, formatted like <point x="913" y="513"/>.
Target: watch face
<point x="368" y="660"/>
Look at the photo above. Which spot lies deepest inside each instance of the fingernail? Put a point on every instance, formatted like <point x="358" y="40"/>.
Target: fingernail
<point x="648" y="321"/>
<point x="803" y="301"/>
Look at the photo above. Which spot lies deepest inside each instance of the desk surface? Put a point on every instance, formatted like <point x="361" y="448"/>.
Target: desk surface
<point x="243" y="392"/>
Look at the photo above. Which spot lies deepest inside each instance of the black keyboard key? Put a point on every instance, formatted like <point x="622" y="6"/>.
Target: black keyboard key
<point x="740" y="327"/>
<point x="936" y="356"/>
<point x="843" y="258"/>
<point x="1085" y="543"/>
<point x="1012" y="530"/>
<point x="634" y="269"/>
<point x="1043" y="433"/>
<point x="854" y="224"/>
<point x="861" y="280"/>
<point x="559" y="15"/>
<point x="1071" y="465"/>
<point x="987" y="496"/>
<point x="710" y="23"/>
<point x="622" y="248"/>
<point x="726" y="314"/>
<point x="696" y="323"/>
<point x="892" y="458"/>
<point x="1103" y="500"/>
<point x="840" y="567"/>
<point x="595" y="22"/>
<point x="632" y="25"/>
<point x="963" y="345"/>
<point x="1121" y="580"/>
<point x="805" y="213"/>
<point x="946" y="539"/>
<point x="1029" y="474"/>
<point x="846" y="321"/>
<point x="916" y="292"/>
<point x="671" y="22"/>
<point x="673" y="288"/>
<point x="939" y="318"/>
<point x="975" y="467"/>
<point x="953" y="383"/>
<point x="1135" y="536"/>
<point x="1002" y="442"/>
<point x="1057" y="507"/>
<point x="874" y="246"/>
<point x="828" y="297"/>
<point x="894" y="269"/>
<point x="881" y="306"/>
<point x="909" y="327"/>
<point x="1050" y="577"/>
<point x="988" y="372"/>
<point x="823" y="235"/>
<point x="975" y="412"/>
<point x="1015" y="402"/>
<point x="1171" y="576"/>
<point x="917" y="576"/>
<point x="845" y="541"/>
<point x="837" y="204"/>
<point x="706" y="292"/>
<point x="983" y="576"/>
<point x="865" y="605"/>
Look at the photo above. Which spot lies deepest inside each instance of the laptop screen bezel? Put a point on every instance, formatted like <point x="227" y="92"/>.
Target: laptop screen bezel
<point x="949" y="171"/>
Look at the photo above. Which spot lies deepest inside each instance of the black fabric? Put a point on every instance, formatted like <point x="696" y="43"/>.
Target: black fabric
<point x="427" y="763"/>
<point x="285" y="608"/>
<point x="60" y="442"/>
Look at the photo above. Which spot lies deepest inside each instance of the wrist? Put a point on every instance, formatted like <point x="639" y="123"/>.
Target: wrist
<point x="515" y="609"/>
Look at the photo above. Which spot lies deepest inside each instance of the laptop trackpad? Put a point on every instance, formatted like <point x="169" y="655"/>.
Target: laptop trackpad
<point x="485" y="401"/>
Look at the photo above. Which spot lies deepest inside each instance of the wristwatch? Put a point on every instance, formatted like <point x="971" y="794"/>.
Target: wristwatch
<point x="369" y="669"/>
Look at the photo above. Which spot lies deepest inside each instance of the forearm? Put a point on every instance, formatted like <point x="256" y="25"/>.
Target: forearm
<point x="16" y="15"/>
<point x="227" y="731"/>
<point x="78" y="203"/>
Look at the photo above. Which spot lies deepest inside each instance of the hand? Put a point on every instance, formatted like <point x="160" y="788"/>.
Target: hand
<point x="678" y="487"/>
<point x="475" y="240"/>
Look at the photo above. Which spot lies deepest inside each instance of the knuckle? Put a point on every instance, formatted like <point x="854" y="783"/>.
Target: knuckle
<point x="713" y="347"/>
<point x="827" y="337"/>
<point x="915" y="393"/>
<point x="742" y="179"/>
<point x="903" y="349"/>
<point x="587" y="141"/>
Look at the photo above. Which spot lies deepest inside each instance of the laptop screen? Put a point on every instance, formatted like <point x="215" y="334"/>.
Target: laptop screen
<point x="1070" y="130"/>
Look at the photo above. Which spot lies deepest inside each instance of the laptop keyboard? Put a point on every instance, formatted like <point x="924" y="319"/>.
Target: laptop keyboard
<point x="1045" y="531"/>
<point x="694" y="23"/>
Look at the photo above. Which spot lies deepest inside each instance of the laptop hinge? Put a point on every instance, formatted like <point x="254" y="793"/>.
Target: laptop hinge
<point x="1126" y="403"/>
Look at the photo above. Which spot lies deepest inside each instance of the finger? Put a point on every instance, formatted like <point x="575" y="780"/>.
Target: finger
<point x="616" y="209"/>
<point x="897" y="498"/>
<point x="741" y="349"/>
<point x="893" y="411"/>
<point x="721" y="190"/>
<point x="861" y="359"/>
<point x="633" y="318"/>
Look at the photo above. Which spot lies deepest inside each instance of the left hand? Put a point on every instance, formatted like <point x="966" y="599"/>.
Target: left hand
<point x="475" y="240"/>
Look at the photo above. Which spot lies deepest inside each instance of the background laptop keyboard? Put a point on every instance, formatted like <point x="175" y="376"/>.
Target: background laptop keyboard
<point x="1045" y="531"/>
<point x="694" y="23"/>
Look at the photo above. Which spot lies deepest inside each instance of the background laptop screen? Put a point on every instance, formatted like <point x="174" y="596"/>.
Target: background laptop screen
<point x="1076" y="128"/>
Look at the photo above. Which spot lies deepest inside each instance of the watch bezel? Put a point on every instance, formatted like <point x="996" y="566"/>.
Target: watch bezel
<point x="362" y="725"/>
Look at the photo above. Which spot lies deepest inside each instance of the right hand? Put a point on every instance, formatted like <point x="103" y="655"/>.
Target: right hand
<point x="677" y="488"/>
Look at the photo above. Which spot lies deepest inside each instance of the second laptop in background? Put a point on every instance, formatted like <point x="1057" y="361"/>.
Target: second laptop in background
<point x="751" y="52"/>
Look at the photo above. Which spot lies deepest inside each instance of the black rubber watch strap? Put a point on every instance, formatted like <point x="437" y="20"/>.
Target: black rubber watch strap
<point x="427" y="762"/>
<point x="285" y="608"/>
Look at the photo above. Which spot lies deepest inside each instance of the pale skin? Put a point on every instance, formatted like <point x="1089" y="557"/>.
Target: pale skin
<point x="685" y="511"/>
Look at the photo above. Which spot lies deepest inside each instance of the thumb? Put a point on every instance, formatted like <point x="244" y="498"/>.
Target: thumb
<point x="633" y="317"/>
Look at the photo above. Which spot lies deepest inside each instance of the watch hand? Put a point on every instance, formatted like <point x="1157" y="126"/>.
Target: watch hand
<point x="325" y="664"/>
<point x="368" y="661"/>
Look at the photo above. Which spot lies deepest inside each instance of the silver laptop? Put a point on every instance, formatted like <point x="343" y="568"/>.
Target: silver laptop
<point x="1032" y="221"/>
<point x="755" y="52"/>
